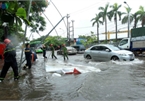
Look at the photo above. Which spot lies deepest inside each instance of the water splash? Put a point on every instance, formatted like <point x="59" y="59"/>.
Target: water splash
<point x="136" y="61"/>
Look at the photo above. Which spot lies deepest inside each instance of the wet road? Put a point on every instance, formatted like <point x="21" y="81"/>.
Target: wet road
<point x="98" y="81"/>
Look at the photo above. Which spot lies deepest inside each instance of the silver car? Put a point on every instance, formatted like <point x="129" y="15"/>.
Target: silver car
<point x="106" y="52"/>
<point x="70" y="50"/>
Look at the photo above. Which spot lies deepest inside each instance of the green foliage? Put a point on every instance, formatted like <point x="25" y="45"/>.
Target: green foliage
<point x="104" y="14"/>
<point x="13" y="12"/>
<point x="55" y="40"/>
<point x="16" y="12"/>
<point x="90" y="39"/>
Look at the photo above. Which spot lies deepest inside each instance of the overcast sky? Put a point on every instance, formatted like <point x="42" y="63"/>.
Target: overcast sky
<point x="82" y="11"/>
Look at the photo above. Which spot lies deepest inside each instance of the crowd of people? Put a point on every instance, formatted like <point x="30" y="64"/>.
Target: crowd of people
<point x="10" y="57"/>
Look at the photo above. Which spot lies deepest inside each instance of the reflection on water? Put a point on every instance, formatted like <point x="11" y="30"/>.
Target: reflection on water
<point x="107" y="81"/>
<point x="9" y="90"/>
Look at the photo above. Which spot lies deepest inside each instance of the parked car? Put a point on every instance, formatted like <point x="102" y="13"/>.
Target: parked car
<point x="79" y="48"/>
<point x="106" y="52"/>
<point x="71" y="50"/>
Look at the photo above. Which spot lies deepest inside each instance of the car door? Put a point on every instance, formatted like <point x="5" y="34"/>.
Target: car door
<point x="103" y="54"/>
<point x="95" y="52"/>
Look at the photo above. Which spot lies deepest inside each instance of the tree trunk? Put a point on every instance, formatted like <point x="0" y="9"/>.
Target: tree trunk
<point x="98" y="33"/>
<point x="116" y="26"/>
<point x="106" y="29"/>
<point x="5" y="35"/>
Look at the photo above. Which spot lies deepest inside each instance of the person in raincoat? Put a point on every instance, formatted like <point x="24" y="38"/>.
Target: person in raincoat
<point x="52" y="51"/>
<point x="64" y="52"/>
<point x="28" y="56"/>
<point x="44" y="50"/>
<point x="9" y="60"/>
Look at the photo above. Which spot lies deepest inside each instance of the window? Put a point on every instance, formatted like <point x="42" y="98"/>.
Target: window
<point x="95" y="48"/>
<point x="123" y="42"/>
<point x="103" y="48"/>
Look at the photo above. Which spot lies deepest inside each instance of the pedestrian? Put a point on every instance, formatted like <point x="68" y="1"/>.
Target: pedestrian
<point x="28" y="56"/>
<point x="9" y="60"/>
<point x="64" y="52"/>
<point x="52" y="51"/>
<point x="44" y="50"/>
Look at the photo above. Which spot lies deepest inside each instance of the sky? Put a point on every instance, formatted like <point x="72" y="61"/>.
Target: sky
<point x="81" y="12"/>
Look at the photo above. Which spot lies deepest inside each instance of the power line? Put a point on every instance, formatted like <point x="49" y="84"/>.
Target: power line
<point x="87" y="8"/>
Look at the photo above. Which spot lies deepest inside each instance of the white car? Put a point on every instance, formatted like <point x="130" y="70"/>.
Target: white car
<point x="70" y="50"/>
<point x="106" y="52"/>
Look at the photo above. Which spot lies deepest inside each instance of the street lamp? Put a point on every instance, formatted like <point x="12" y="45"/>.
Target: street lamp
<point x="128" y="20"/>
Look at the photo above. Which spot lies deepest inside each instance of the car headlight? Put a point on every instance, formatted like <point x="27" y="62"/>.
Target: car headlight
<point x="122" y="54"/>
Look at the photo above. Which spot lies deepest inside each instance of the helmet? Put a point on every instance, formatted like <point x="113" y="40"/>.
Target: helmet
<point x="7" y="41"/>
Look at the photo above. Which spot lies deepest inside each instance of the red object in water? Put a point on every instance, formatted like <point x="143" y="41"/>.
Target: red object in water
<point x="75" y="71"/>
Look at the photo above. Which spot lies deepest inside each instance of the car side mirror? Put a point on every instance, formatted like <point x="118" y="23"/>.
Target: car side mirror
<point x="107" y="50"/>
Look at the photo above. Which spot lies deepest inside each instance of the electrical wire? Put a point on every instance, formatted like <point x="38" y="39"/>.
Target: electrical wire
<point x="87" y="8"/>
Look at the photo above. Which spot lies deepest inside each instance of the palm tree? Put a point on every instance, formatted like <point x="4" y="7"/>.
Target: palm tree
<point x="104" y="15"/>
<point x="126" y="18"/>
<point x="97" y="21"/>
<point x="133" y="17"/>
<point x="141" y="14"/>
<point x="114" y="13"/>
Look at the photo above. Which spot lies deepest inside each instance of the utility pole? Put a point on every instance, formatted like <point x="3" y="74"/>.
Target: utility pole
<point x="68" y="34"/>
<point x="25" y="36"/>
<point x="72" y="29"/>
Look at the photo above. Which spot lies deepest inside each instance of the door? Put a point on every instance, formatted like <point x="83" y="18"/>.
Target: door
<point x="124" y="43"/>
<point x="95" y="51"/>
<point x="104" y="55"/>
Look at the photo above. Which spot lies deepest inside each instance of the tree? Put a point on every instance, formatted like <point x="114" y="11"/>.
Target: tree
<point x="114" y="13"/>
<point x="55" y="40"/>
<point x="89" y="39"/>
<point x="104" y="15"/>
<point x="141" y="15"/>
<point x="38" y="22"/>
<point x="133" y="17"/>
<point x="97" y="21"/>
<point x="11" y="13"/>
<point x="14" y="13"/>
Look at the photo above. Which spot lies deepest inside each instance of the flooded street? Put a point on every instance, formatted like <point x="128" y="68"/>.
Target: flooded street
<point x="98" y="81"/>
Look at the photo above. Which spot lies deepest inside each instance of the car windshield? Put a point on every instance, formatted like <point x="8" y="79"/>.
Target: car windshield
<point x="114" y="48"/>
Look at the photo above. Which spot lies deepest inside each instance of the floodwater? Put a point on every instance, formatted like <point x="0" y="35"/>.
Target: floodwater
<point x="98" y="81"/>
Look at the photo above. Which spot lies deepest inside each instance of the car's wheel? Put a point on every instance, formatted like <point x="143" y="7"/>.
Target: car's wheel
<point x="88" y="57"/>
<point x="115" y="58"/>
